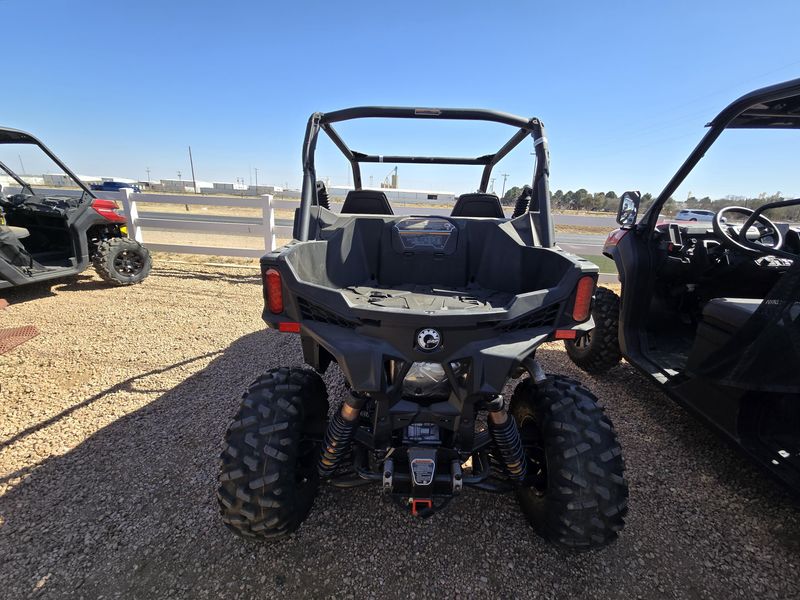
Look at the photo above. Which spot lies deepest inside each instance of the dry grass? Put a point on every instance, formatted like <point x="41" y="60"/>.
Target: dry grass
<point x="584" y="229"/>
<point x="227" y="211"/>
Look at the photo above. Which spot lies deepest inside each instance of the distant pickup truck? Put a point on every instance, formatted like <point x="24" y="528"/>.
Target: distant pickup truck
<point x="115" y="186"/>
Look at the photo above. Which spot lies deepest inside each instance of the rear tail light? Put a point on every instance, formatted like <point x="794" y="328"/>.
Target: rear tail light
<point x="274" y="287"/>
<point x="583" y="298"/>
<point x="108" y="209"/>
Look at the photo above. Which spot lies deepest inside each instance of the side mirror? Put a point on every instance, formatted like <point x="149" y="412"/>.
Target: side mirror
<point x="628" y="209"/>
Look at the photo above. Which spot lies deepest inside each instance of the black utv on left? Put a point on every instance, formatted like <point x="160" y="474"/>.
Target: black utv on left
<point x="46" y="236"/>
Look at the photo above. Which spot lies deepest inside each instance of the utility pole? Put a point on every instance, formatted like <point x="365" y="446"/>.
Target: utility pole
<point x="256" y="170"/>
<point x="19" y="156"/>
<point x="191" y="164"/>
<point x="148" y="175"/>
<point x="180" y="189"/>
<point x="491" y="184"/>
<point x="504" y="176"/>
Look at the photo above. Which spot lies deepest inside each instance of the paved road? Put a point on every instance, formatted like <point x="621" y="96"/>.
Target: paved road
<point x="401" y="209"/>
<point x="583" y="243"/>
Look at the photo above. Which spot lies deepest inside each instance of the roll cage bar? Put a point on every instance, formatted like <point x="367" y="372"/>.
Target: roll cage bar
<point x="540" y="201"/>
<point x="773" y="107"/>
<point x="15" y="136"/>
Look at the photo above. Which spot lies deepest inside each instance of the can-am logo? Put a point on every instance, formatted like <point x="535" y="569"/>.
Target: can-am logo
<point x="428" y="339"/>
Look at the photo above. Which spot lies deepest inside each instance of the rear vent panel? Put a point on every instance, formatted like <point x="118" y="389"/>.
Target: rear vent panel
<point x="314" y="312"/>
<point x="544" y="317"/>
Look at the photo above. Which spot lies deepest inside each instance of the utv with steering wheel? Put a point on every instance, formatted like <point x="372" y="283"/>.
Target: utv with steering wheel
<point x="48" y="234"/>
<point x="711" y="312"/>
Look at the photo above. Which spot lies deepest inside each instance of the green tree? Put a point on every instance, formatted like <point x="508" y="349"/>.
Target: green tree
<point x="511" y="195"/>
<point x="582" y="199"/>
<point x="598" y="201"/>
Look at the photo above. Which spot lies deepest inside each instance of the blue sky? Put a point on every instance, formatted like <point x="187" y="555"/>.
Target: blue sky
<point x="624" y="88"/>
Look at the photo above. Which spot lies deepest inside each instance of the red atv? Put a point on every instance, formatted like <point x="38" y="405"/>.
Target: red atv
<point x="46" y="235"/>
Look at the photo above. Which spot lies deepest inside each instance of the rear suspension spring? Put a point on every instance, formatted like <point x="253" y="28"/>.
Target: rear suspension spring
<point x="505" y="435"/>
<point x="339" y="436"/>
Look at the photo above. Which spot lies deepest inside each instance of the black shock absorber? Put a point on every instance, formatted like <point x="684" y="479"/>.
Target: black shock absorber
<point x="505" y="434"/>
<point x="322" y="195"/>
<point x="339" y="435"/>
<point x="522" y="202"/>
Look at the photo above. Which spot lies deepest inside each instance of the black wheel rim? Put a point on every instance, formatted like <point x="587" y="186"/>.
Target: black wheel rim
<point x="534" y="451"/>
<point x="129" y="262"/>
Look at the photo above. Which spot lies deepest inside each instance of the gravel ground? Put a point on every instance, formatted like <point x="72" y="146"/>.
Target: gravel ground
<point x="110" y="426"/>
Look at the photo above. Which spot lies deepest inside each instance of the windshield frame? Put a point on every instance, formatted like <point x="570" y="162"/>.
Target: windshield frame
<point x="15" y="136"/>
<point x="764" y="108"/>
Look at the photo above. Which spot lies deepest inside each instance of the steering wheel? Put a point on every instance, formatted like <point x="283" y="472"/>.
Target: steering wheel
<point x="766" y="229"/>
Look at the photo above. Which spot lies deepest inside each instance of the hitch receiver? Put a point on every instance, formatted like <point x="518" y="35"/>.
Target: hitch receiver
<point x="418" y="503"/>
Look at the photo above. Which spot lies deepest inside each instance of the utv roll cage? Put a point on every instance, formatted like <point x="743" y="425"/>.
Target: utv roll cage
<point x="540" y="201"/>
<point x="773" y="107"/>
<point x="15" y="136"/>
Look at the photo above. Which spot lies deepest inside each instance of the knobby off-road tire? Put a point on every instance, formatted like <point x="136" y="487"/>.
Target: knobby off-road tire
<point x="598" y="350"/>
<point x="122" y="261"/>
<point x="581" y="497"/>
<point x="268" y="475"/>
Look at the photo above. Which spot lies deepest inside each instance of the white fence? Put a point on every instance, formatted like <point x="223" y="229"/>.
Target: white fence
<point x="139" y="222"/>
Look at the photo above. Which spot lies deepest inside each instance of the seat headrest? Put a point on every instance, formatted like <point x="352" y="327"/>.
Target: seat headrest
<point x="366" y="202"/>
<point x="478" y="205"/>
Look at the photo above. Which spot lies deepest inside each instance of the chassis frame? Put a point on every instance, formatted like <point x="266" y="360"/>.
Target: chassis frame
<point x="540" y="201"/>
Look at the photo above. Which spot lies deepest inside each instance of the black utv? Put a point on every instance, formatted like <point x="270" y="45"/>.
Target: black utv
<point x="428" y="318"/>
<point x="47" y="234"/>
<point x="711" y="311"/>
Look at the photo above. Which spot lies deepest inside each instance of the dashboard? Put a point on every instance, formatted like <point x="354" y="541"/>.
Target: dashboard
<point x="693" y="255"/>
